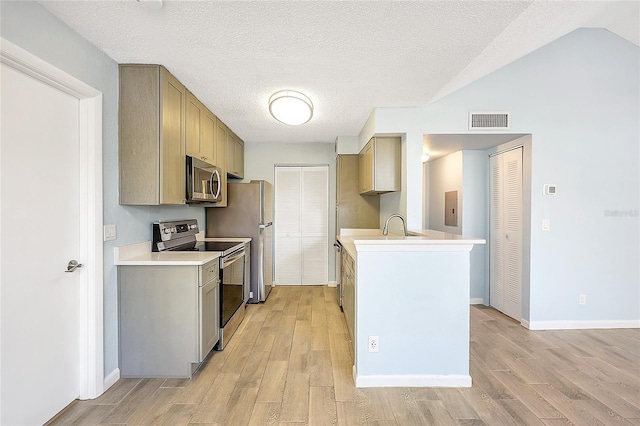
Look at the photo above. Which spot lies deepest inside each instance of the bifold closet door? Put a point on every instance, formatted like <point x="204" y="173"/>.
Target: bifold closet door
<point x="505" y="271"/>
<point x="301" y="225"/>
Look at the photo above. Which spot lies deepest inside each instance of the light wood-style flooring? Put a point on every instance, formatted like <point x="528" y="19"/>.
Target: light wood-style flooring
<point x="290" y="363"/>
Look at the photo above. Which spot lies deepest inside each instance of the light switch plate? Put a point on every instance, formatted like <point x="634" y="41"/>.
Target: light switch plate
<point x="110" y="232"/>
<point x="546" y="224"/>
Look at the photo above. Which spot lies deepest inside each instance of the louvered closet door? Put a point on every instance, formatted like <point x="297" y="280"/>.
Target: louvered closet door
<point x="301" y="225"/>
<point x="506" y="233"/>
<point x="315" y="225"/>
<point x="288" y="247"/>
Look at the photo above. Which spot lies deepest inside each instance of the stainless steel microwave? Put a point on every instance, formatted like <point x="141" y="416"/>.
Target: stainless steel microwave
<point x="204" y="184"/>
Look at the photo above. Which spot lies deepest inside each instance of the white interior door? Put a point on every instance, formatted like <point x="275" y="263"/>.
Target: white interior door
<point x="505" y="273"/>
<point x="315" y="224"/>
<point x="40" y="307"/>
<point x="301" y="225"/>
<point x="288" y="254"/>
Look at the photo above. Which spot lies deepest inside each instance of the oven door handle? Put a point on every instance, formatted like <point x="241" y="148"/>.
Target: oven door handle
<point x="228" y="260"/>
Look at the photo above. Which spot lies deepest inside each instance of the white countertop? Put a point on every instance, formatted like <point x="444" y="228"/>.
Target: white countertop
<point x="419" y="240"/>
<point x="140" y="254"/>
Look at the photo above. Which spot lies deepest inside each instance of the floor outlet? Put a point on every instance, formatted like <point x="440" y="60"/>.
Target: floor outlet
<point x="582" y="299"/>
<point x="374" y="344"/>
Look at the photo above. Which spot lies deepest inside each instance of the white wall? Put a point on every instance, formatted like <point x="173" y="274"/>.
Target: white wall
<point x="579" y="99"/>
<point x="32" y="27"/>
<point x="261" y="158"/>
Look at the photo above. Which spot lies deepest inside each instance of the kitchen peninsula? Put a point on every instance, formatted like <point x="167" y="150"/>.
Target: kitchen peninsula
<point x="412" y="294"/>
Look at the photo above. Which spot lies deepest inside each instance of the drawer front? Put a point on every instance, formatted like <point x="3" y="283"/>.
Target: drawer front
<point x="210" y="271"/>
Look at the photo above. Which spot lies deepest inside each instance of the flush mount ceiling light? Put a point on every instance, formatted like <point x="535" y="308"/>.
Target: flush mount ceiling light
<point x="290" y="107"/>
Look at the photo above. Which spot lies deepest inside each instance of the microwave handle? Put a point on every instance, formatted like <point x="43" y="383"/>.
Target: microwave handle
<point x="217" y="194"/>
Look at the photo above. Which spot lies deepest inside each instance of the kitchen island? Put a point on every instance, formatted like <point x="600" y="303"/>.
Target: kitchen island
<point x="412" y="293"/>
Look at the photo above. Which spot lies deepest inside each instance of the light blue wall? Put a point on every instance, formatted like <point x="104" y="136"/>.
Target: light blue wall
<point x="261" y="158"/>
<point x="579" y="98"/>
<point x="30" y="26"/>
<point x="474" y="215"/>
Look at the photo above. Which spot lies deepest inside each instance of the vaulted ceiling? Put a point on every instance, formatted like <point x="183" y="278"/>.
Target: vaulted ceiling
<point x="347" y="56"/>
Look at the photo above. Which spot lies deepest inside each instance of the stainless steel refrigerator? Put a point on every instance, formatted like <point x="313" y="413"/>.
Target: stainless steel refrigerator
<point x="249" y="213"/>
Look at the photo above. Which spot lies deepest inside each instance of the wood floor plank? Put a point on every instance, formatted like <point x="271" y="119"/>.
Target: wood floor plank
<point x="138" y="401"/>
<point x="253" y="371"/>
<point x="527" y="395"/>
<point x="435" y="413"/>
<point x="237" y="412"/>
<point x="273" y="382"/>
<point x="350" y="413"/>
<point x="375" y="404"/>
<point x="519" y="413"/>
<point x="320" y="369"/>
<point x="456" y="404"/>
<point x="295" y="400"/>
<point x="213" y="408"/>
<point x="569" y="408"/>
<point x="322" y="406"/>
<point x="617" y="404"/>
<point x="82" y="414"/>
<point x="405" y="408"/>
<point x="487" y="409"/>
<point x="265" y="413"/>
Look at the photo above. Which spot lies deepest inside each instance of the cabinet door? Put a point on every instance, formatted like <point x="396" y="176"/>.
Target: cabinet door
<point x="193" y="118"/>
<point x="366" y="168"/>
<point x="221" y="152"/>
<point x="239" y="157"/>
<point x="209" y="317"/>
<point x="207" y="142"/>
<point x="172" y="143"/>
<point x="231" y="153"/>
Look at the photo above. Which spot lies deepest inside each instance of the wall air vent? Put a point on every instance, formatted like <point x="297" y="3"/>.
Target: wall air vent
<point x="493" y="120"/>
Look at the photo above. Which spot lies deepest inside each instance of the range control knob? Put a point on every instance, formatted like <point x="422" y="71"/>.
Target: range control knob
<point x="167" y="230"/>
<point x="193" y="226"/>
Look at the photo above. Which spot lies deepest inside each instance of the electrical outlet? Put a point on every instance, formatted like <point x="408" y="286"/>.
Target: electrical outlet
<point x="374" y="344"/>
<point x="250" y="295"/>
<point x="546" y="224"/>
<point x="582" y="299"/>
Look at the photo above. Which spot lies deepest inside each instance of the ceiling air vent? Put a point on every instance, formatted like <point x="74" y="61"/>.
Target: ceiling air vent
<point x="489" y="120"/>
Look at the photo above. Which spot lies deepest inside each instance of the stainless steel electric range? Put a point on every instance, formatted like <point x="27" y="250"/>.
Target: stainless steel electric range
<point x="180" y="235"/>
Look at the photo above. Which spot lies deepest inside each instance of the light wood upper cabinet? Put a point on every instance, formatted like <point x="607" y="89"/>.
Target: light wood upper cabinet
<point x="200" y="131"/>
<point x="151" y="136"/>
<point x="221" y="154"/>
<point x="235" y="155"/>
<point x="379" y="166"/>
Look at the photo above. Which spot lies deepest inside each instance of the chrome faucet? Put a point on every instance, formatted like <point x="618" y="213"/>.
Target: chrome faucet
<point x="385" y="230"/>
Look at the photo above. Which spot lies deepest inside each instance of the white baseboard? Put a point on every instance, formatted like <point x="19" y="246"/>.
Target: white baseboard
<point x="580" y="325"/>
<point x="525" y="323"/>
<point x="332" y="284"/>
<point x="476" y="301"/>
<point x="111" y="379"/>
<point x="424" y="380"/>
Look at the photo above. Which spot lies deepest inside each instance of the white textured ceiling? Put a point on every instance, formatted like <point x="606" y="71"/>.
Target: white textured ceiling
<point x="348" y="57"/>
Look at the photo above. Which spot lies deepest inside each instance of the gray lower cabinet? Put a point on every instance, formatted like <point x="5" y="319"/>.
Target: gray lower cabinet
<point x="169" y="318"/>
<point x="349" y="292"/>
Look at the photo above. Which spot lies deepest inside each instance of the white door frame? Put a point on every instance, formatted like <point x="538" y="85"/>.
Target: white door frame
<point x="90" y="192"/>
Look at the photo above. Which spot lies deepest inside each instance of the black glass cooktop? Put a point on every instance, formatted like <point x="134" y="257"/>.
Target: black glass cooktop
<point x="217" y="245"/>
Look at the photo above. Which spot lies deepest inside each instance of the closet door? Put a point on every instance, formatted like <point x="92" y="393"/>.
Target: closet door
<point x="315" y="225"/>
<point x="301" y="225"/>
<point x="288" y="247"/>
<point x="505" y="276"/>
